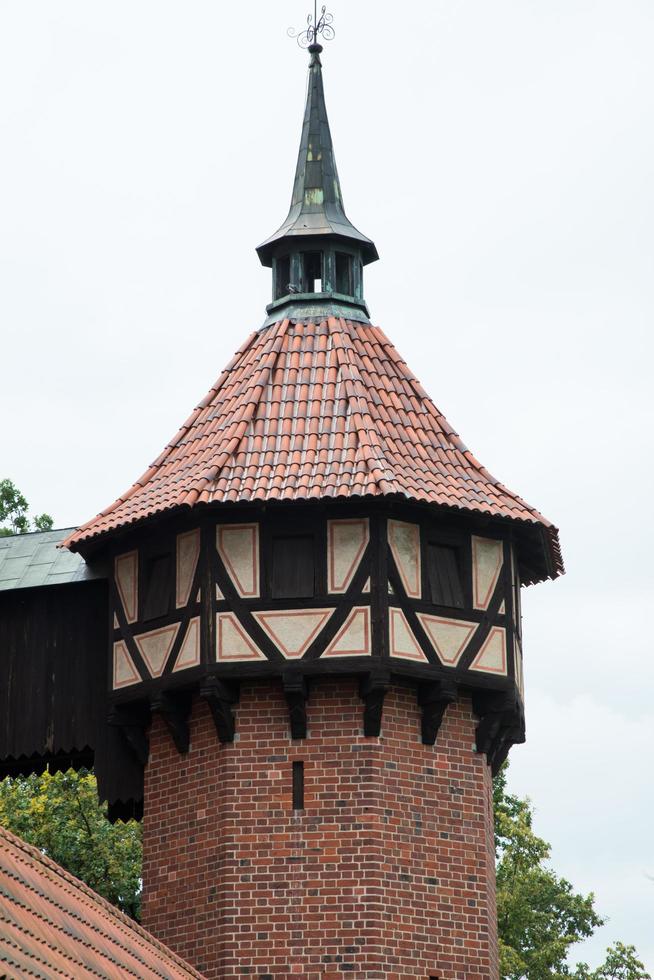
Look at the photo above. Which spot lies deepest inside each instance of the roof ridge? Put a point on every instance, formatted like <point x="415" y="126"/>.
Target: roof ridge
<point x="448" y="430"/>
<point x="155" y="466"/>
<point x="346" y="357"/>
<point x="244" y="422"/>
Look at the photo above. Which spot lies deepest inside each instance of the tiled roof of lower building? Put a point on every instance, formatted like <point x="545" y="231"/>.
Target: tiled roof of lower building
<point x="312" y="411"/>
<point x="52" y="925"/>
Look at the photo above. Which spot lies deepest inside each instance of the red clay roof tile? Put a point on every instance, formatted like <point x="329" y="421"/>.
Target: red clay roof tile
<point x="293" y="391"/>
<point x="51" y="924"/>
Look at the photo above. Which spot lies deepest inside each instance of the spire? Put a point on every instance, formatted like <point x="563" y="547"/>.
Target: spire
<point x="317" y="203"/>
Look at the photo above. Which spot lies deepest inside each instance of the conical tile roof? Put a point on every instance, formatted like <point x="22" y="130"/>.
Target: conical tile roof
<point x="320" y="410"/>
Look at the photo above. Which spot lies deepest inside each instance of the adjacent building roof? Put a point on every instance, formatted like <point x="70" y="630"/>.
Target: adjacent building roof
<point x="29" y="560"/>
<point x="52" y="925"/>
<point x="309" y="411"/>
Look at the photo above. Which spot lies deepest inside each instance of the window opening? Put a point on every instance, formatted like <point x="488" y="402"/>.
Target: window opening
<point x="344" y="273"/>
<point x="293" y="567"/>
<point x="157" y="587"/>
<point x="313" y="272"/>
<point x="444" y="576"/>
<point x="298" y="786"/>
<point x="282" y="276"/>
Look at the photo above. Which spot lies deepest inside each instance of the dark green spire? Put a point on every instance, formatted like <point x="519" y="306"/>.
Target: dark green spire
<point x="317" y="204"/>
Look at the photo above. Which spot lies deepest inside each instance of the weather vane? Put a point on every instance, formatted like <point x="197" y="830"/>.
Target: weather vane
<point x="316" y="27"/>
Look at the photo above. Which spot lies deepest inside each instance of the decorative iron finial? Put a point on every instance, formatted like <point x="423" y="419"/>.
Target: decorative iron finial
<point x="316" y="26"/>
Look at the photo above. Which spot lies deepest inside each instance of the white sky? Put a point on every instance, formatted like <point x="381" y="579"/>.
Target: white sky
<point x="501" y="157"/>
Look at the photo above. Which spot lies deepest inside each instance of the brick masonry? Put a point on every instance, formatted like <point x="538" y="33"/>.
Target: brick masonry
<point x="387" y="873"/>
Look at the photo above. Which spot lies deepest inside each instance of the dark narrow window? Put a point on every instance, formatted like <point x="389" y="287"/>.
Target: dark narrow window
<point x="344" y="273"/>
<point x="158" y="582"/>
<point x="444" y="576"/>
<point x="282" y="276"/>
<point x="313" y="272"/>
<point x="298" y="786"/>
<point x="293" y="567"/>
<point x="517" y="610"/>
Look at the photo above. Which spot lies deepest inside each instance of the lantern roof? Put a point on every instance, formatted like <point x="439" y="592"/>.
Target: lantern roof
<point x="316" y="209"/>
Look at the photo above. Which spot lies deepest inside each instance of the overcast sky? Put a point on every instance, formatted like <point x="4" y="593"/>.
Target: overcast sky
<point x="501" y="156"/>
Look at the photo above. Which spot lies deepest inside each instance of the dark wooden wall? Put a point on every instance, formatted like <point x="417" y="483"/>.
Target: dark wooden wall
<point x="53" y="689"/>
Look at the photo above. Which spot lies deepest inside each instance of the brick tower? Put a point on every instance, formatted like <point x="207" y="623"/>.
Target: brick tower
<point x="315" y="646"/>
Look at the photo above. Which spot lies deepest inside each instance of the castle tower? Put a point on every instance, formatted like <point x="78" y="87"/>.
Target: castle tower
<point x="315" y="640"/>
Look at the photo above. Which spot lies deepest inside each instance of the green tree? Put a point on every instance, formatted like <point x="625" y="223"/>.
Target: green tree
<point x="14" y="508"/>
<point x="540" y="916"/>
<point x="59" y="813"/>
<point x="621" y="964"/>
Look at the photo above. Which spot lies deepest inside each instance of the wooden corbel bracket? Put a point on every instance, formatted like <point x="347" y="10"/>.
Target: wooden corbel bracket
<point x="501" y="725"/>
<point x="174" y="709"/>
<point x="133" y="721"/>
<point x="372" y="691"/>
<point x="220" y="696"/>
<point x="433" y="698"/>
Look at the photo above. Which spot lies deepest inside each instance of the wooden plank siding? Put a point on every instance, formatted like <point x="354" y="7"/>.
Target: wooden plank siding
<point x="53" y="689"/>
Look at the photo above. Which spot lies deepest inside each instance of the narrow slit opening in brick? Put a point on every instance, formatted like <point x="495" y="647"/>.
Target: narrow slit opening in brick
<point x="298" y="786"/>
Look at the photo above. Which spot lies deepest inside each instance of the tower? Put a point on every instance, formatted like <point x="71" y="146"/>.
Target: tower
<point x="315" y="640"/>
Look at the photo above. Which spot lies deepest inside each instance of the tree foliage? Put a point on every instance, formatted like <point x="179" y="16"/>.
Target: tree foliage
<point x="540" y="916"/>
<point x="59" y="813"/>
<point x="14" y="512"/>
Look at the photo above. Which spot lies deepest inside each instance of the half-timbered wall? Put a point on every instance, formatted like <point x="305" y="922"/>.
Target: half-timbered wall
<point x="319" y="592"/>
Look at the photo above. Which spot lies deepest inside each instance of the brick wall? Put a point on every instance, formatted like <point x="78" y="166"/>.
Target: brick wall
<point x="387" y="874"/>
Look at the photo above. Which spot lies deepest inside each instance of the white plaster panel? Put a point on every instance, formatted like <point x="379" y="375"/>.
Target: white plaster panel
<point x="233" y="642"/>
<point x="188" y="552"/>
<point x="126" y="569"/>
<point x="293" y="631"/>
<point x="238" y="546"/>
<point x="402" y="641"/>
<point x="189" y="653"/>
<point x="125" y="673"/>
<point x="449" y="637"/>
<point x="491" y="659"/>
<point x="155" y="647"/>
<point x="353" y="638"/>
<point x="346" y="543"/>
<point x="487" y="557"/>
<point x="404" y="540"/>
